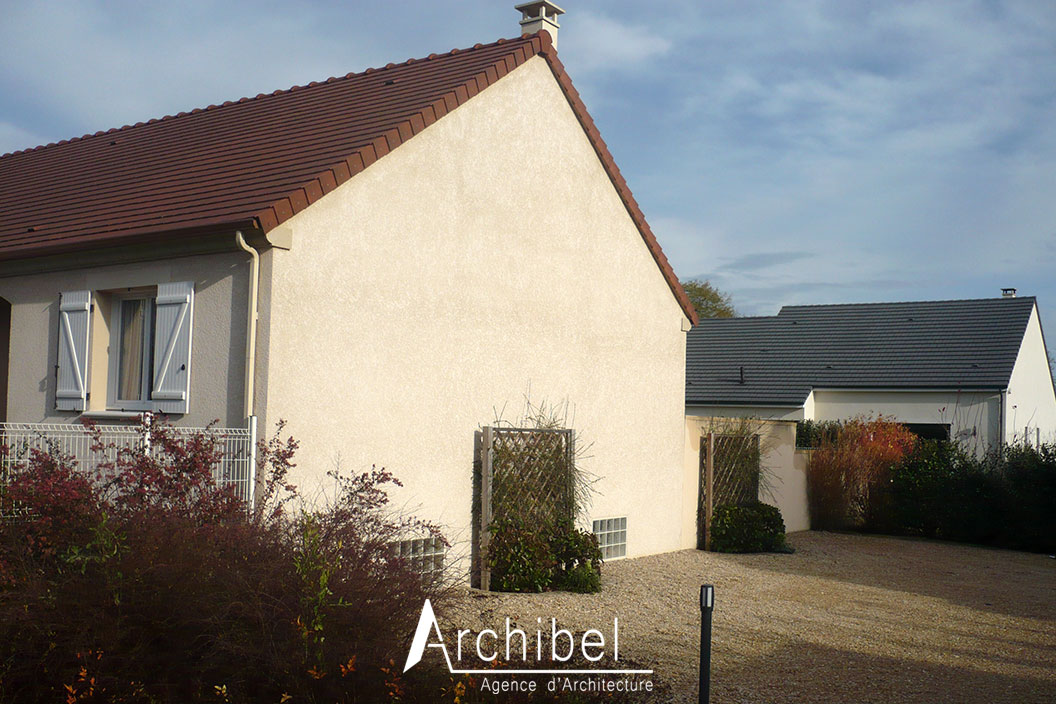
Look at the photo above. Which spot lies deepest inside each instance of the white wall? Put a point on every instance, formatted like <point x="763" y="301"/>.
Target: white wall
<point x="1031" y="403"/>
<point x="488" y="256"/>
<point x="763" y="412"/>
<point x="974" y="417"/>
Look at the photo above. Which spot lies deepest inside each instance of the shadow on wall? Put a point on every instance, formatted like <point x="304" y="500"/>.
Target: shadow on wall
<point x="910" y="568"/>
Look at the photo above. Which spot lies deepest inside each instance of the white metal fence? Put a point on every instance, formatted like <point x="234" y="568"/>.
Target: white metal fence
<point x="237" y="467"/>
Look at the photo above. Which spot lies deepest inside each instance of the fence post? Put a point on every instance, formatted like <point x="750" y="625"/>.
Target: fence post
<point x="148" y="424"/>
<point x="570" y="473"/>
<point x="252" y="454"/>
<point x="487" y="447"/>
<point x="709" y="489"/>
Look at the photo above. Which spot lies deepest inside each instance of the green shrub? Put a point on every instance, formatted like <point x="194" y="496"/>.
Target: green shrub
<point x="525" y="558"/>
<point x="1030" y="477"/>
<point x="583" y="579"/>
<point x="520" y="558"/>
<point x="755" y="527"/>
<point x="578" y="559"/>
<point x="1005" y="499"/>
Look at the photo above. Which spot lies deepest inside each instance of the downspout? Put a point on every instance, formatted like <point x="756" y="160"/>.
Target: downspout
<point x="251" y="364"/>
<point x="1001" y="431"/>
<point x="251" y="322"/>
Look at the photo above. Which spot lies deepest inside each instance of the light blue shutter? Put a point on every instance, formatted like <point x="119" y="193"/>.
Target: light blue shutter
<point x="71" y="388"/>
<point x="172" y="346"/>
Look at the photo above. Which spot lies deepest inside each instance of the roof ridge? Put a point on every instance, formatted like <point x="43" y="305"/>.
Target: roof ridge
<point x="261" y="96"/>
<point x="741" y="317"/>
<point x="917" y="302"/>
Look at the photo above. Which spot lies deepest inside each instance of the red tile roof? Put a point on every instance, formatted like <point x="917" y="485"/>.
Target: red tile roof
<point x="255" y="162"/>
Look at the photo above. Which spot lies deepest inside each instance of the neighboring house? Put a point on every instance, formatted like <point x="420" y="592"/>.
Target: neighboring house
<point x="435" y="239"/>
<point x="975" y="370"/>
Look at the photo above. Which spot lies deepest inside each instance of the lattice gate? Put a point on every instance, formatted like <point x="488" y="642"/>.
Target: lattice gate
<point x="734" y="477"/>
<point x="525" y="475"/>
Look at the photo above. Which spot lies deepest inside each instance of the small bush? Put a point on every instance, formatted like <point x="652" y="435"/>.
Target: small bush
<point x="527" y="559"/>
<point x="754" y="527"/>
<point x="812" y="433"/>
<point x="520" y="558"/>
<point x="577" y="557"/>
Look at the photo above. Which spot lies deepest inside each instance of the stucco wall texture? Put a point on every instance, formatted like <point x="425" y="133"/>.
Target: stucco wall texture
<point x="1031" y="402"/>
<point x="218" y="335"/>
<point x="486" y="259"/>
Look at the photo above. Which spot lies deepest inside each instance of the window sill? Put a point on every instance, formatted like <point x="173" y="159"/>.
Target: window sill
<point x="113" y="415"/>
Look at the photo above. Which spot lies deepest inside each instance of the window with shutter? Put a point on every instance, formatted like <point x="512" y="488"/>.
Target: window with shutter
<point x="131" y="351"/>
<point x="172" y="347"/>
<point x="71" y="373"/>
<point x="150" y="348"/>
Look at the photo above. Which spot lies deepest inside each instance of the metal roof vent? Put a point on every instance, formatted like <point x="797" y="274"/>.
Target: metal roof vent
<point x="536" y="16"/>
<point x="1008" y="293"/>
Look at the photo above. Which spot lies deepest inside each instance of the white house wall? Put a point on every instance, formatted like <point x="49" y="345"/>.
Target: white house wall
<point x="761" y="412"/>
<point x="217" y="369"/>
<point x="1031" y="403"/>
<point x="974" y="417"/>
<point x="487" y="258"/>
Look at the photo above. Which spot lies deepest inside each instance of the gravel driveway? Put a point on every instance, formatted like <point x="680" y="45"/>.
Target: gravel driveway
<point x="847" y="618"/>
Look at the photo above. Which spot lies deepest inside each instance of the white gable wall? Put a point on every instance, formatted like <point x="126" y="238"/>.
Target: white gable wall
<point x="1031" y="404"/>
<point x="487" y="256"/>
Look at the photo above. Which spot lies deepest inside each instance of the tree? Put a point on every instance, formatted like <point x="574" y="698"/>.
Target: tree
<point x="709" y="301"/>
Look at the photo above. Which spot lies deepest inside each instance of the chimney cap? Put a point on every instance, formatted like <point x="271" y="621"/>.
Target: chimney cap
<point x="531" y="9"/>
<point x="540" y="15"/>
<point x="1008" y="292"/>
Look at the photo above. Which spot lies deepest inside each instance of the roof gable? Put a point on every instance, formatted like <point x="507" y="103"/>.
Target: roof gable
<point x="254" y="163"/>
<point x="922" y="345"/>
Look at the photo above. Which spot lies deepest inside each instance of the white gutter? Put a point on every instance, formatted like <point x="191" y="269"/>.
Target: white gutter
<point x="251" y="322"/>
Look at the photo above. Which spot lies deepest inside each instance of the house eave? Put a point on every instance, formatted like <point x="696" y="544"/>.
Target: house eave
<point x="124" y="248"/>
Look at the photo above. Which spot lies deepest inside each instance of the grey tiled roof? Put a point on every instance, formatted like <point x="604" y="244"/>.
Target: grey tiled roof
<point x="926" y="344"/>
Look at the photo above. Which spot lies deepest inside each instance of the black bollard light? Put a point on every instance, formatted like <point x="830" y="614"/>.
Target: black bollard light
<point x="707" y="605"/>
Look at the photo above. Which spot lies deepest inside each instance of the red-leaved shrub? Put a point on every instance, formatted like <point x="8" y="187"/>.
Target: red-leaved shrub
<point x="147" y="582"/>
<point x="846" y="471"/>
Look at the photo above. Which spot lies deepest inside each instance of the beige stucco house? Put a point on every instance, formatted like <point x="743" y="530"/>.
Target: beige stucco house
<point x="423" y="244"/>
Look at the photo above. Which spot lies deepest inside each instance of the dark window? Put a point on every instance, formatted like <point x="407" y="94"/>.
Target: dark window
<point x="930" y="431"/>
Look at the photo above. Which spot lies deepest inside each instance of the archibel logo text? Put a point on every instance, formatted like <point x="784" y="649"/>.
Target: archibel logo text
<point x="557" y="644"/>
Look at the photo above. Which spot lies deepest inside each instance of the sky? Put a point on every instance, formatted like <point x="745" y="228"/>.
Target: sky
<point x="790" y="152"/>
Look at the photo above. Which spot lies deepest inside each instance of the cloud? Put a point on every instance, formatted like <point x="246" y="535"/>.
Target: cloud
<point x="596" y="42"/>
<point x="763" y="260"/>
<point x="15" y="138"/>
<point x="795" y="152"/>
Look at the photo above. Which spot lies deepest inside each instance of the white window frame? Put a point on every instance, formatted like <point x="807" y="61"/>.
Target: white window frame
<point x="601" y="528"/>
<point x="144" y="403"/>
